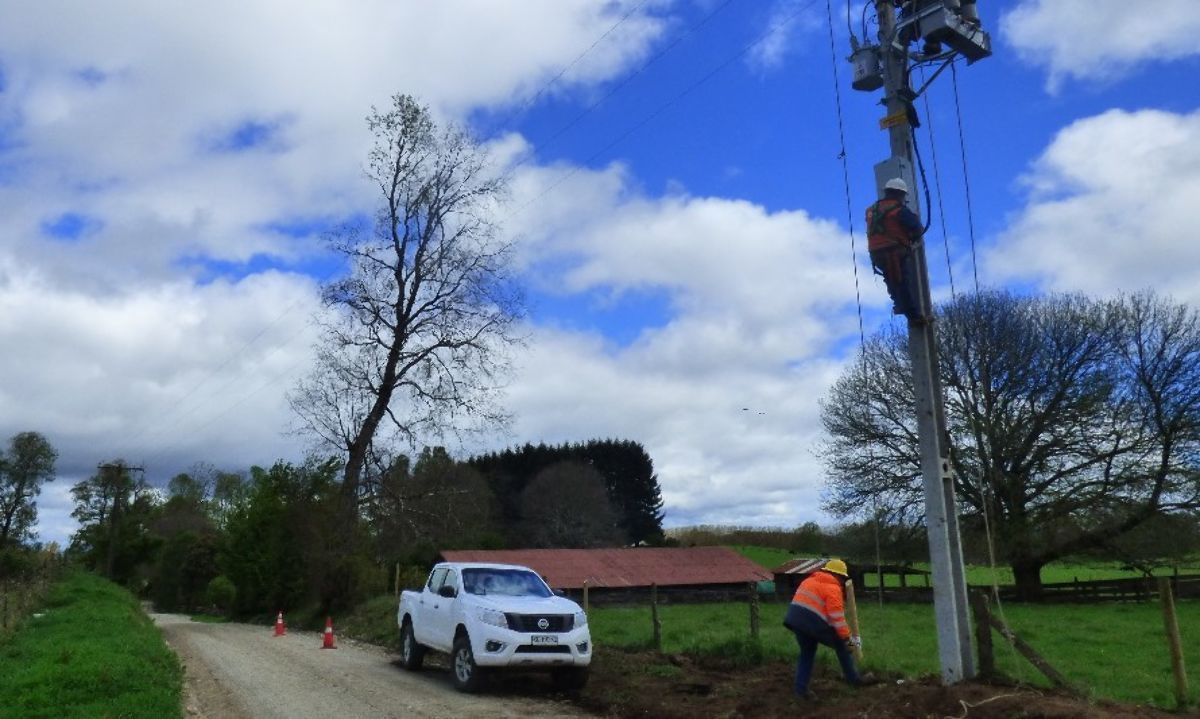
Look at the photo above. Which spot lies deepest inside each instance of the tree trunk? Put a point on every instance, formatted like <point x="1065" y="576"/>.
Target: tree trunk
<point x="1028" y="575"/>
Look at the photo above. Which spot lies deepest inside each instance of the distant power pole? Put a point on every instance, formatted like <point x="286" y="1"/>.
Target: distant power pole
<point x="934" y="22"/>
<point x="118" y="474"/>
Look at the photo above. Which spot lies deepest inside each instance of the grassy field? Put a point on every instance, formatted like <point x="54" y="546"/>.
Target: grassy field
<point x="770" y="558"/>
<point x="1117" y="651"/>
<point x="92" y="654"/>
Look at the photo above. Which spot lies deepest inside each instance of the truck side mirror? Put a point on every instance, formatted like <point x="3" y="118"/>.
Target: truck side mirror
<point x="447" y="591"/>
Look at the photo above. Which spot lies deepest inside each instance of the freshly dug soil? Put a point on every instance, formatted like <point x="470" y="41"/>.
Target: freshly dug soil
<point x="642" y="684"/>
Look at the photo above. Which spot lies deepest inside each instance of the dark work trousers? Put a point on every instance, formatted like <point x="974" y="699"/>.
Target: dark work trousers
<point x="811" y="630"/>
<point x="899" y="274"/>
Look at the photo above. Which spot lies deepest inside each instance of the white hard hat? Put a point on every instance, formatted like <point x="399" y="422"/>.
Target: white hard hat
<point x="896" y="184"/>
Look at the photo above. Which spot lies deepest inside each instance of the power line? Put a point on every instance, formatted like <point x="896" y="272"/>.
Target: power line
<point x="583" y="54"/>
<point x="837" y="92"/>
<point x="962" y="144"/>
<point x="665" y="106"/>
<point x="937" y="181"/>
<point x="548" y="141"/>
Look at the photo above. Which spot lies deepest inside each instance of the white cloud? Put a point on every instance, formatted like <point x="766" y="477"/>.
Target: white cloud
<point x="785" y="29"/>
<point x="163" y="376"/>
<point x="1112" y="207"/>
<point x="116" y="112"/>
<point x="120" y="115"/>
<point x="724" y="394"/>
<point x="1101" y="40"/>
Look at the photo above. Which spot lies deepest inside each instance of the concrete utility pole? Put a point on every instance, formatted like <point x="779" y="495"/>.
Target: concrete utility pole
<point x="935" y="21"/>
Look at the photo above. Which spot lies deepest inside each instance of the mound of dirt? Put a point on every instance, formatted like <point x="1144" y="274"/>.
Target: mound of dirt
<point x="642" y="684"/>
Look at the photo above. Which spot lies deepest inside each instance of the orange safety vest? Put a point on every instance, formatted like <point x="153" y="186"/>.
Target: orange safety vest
<point x="821" y="593"/>
<point x="884" y="230"/>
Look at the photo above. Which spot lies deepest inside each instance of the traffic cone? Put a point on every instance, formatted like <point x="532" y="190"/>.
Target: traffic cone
<point x="328" y="634"/>
<point x="280" y="628"/>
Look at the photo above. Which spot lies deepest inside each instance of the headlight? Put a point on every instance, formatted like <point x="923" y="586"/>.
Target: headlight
<point x="580" y="619"/>
<point x="491" y="616"/>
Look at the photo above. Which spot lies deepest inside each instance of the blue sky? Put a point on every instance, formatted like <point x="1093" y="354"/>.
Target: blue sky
<point x="676" y="199"/>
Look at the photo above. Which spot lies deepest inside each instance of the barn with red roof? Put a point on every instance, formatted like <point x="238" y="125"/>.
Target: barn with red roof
<point x="626" y="574"/>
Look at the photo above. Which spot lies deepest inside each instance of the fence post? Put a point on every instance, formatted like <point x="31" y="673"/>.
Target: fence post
<point x="396" y="582"/>
<point x="983" y="633"/>
<point x="753" y="610"/>
<point x="1171" y="621"/>
<point x="585" y="595"/>
<point x="654" y="618"/>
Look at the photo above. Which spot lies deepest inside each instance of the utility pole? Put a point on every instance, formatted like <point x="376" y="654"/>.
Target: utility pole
<point x="117" y="480"/>
<point x="956" y="23"/>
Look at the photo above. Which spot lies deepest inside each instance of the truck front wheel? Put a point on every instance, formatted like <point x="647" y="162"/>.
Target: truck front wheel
<point x="412" y="654"/>
<point x="468" y="677"/>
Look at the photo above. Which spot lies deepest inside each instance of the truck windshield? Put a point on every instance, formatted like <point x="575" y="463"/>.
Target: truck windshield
<point x="506" y="582"/>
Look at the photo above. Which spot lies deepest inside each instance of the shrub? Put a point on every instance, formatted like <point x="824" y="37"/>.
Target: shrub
<point x="221" y="593"/>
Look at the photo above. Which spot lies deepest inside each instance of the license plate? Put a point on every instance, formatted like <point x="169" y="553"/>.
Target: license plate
<point x="543" y="639"/>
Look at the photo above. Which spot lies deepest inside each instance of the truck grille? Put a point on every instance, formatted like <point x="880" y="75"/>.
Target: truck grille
<point x="529" y="622"/>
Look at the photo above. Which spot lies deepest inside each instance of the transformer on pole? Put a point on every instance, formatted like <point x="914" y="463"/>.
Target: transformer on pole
<point x="934" y="24"/>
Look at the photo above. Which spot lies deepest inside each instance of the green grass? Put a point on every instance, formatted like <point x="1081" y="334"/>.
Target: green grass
<point x="373" y="621"/>
<point x="1115" y="651"/>
<point x="982" y="575"/>
<point x="208" y="619"/>
<point x="766" y="557"/>
<point x="93" y="654"/>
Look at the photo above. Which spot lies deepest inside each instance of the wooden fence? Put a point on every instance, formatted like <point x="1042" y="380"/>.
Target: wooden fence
<point x="1134" y="589"/>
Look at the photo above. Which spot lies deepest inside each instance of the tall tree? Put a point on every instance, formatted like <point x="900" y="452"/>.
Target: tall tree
<point x="1073" y="421"/>
<point x="626" y="468"/>
<point x="28" y="463"/>
<point x="114" y="508"/>
<point x="566" y="505"/>
<point x="415" y="343"/>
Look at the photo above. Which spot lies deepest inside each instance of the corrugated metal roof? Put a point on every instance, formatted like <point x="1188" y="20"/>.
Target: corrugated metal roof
<point x="626" y="567"/>
<point x="799" y="566"/>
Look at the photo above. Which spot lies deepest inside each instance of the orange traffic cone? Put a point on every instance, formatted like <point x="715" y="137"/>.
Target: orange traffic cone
<point x="280" y="628"/>
<point x="328" y="634"/>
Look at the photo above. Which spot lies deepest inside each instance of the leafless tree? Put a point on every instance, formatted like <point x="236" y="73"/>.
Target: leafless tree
<point x="1073" y="421"/>
<point x="415" y="342"/>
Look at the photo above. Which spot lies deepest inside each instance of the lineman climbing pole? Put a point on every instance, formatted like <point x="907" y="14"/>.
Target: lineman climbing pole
<point x="956" y="24"/>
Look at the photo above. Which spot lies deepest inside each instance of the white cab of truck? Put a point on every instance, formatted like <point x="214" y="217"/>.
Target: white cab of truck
<point x="491" y="616"/>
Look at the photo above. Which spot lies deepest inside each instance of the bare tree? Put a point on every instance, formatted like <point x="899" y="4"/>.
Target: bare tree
<point x="415" y="344"/>
<point x="1073" y="421"/>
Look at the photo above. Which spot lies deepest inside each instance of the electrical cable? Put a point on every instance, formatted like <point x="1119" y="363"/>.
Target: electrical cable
<point x="924" y="181"/>
<point x="962" y="144"/>
<point x="937" y="181"/>
<point x="581" y="55"/>
<point x="837" y="91"/>
<point x="665" y="106"/>
<point x="548" y="141"/>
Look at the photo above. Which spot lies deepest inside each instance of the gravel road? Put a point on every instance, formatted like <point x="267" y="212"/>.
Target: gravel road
<point x="242" y="671"/>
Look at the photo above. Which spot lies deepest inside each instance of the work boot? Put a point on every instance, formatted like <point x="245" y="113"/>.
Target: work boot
<point x="807" y="696"/>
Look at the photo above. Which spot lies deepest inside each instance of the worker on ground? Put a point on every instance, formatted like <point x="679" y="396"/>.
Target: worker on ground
<point x="817" y="616"/>
<point x="892" y="231"/>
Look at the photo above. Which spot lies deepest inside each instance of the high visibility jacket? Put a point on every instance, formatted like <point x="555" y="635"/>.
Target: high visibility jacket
<point x="821" y="593"/>
<point x="884" y="227"/>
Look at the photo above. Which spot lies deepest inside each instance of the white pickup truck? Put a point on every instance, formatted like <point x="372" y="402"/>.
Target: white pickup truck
<point x="490" y="616"/>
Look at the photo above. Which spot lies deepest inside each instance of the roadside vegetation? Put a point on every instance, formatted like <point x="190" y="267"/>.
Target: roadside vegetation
<point x="89" y="653"/>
